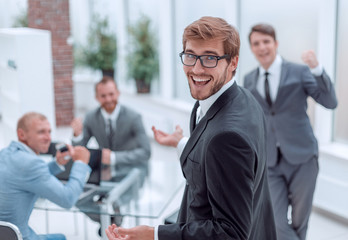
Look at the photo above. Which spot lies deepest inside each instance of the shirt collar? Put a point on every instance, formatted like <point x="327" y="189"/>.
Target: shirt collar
<point x="207" y="103"/>
<point x="26" y="147"/>
<point x="113" y="116"/>
<point x="275" y="66"/>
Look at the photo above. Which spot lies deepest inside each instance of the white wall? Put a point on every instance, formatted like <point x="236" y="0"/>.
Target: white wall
<point x="28" y="86"/>
<point x="9" y="10"/>
<point x="295" y="22"/>
<point x="332" y="185"/>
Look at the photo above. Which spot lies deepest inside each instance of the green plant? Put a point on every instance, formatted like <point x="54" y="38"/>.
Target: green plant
<point x="21" y="20"/>
<point x="142" y="60"/>
<point x="100" y="52"/>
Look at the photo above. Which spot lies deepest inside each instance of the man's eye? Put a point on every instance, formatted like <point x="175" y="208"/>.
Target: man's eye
<point x="190" y="56"/>
<point x="210" y="57"/>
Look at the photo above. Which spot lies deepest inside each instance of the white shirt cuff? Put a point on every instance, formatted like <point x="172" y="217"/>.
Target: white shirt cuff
<point x="317" y="71"/>
<point x="181" y="146"/>
<point x="113" y="163"/>
<point x="77" y="138"/>
<point x="155" y="237"/>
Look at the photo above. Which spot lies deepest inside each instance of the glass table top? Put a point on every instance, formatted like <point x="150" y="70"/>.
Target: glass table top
<point x="132" y="196"/>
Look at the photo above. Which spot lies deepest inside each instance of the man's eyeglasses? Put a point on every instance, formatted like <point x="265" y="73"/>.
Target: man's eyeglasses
<point x="208" y="61"/>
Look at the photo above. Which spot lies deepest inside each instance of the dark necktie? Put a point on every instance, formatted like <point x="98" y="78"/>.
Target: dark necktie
<point x="111" y="133"/>
<point x="267" y="92"/>
<point x="193" y="118"/>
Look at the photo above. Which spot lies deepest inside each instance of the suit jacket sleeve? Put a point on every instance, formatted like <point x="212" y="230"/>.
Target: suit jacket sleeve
<point x="229" y="169"/>
<point x="53" y="167"/>
<point x="39" y="180"/>
<point x="321" y="89"/>
<point x="141" y="153"/>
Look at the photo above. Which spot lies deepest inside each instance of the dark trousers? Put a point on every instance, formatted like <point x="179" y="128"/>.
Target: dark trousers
<point x="292" y="186"/>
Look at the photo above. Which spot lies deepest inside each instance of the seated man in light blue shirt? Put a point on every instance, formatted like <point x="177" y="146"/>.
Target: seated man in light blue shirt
<point x="24" y="176"/>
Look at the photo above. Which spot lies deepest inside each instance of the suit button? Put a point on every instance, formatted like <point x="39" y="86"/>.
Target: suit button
<point x="273" y="113"/>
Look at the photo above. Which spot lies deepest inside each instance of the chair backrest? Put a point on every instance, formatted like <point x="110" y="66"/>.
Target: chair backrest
<point x="9" y="231"/>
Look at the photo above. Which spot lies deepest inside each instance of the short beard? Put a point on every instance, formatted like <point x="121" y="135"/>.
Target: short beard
<point x="214" y="89"/>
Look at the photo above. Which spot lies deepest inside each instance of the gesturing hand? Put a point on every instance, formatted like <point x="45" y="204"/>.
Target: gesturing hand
<point x="310" y="58"/>
<point x="77" y="126"/>
<point x="168" y="139"/>
<point x="137" y="233"/>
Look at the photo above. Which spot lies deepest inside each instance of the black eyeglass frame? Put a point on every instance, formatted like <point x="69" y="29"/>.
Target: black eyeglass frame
<point x="226" y="56"/>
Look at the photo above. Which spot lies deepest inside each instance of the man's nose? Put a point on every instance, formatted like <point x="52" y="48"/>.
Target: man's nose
<point x="198" y="67"/>
<point x="108" y="98"/>
<point x="48" y="136"/>
<point x="262" y="46"/>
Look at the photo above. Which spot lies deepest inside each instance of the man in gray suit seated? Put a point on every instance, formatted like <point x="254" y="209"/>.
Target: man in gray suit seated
<point x="118" y="130"/>
<point x="282" y="89"/>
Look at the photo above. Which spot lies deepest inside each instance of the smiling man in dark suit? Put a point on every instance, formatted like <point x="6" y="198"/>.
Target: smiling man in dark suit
<point x="224" y="160"/>
<point x="282" y="89"/>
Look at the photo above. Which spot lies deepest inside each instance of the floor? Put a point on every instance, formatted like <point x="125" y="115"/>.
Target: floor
<point x="322" y="225"/>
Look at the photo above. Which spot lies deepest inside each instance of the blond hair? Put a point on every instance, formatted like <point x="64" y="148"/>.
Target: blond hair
<point x="26" y="119"/>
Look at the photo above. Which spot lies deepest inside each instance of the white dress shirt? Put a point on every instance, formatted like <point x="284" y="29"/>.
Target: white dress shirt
<point x="274" y="77"/>
<point x="113" y="117"/>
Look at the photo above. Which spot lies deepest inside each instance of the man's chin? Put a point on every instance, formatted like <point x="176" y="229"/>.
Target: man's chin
<point x="109" y="109"/>
<point x="44" y="150"/>
<point x="198" y="97"/>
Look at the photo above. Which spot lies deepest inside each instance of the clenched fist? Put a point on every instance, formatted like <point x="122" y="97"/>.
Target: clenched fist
<point x="81" y="153"/>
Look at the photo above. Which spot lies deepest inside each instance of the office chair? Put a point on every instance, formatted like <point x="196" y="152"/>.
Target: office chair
<point x="9" y="231"/>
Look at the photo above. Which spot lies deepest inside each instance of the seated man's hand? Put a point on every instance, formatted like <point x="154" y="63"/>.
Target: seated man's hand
<point x="63" y="157"/>
<point x="77" y="126"/>
<point x="81" y="153"/>
<point x="106" y="155"/>
<point x="168" y="139"/>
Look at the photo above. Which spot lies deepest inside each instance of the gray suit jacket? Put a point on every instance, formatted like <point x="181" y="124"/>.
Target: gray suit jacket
<point x="224" y="163"/>
<point x="287" y="120"/>
<point x="130" y="142"/>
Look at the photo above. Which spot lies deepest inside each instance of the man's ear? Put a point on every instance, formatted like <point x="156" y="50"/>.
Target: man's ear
<point x="234" y="63"/>
<point x="20" y="134"/>
<point x="96" y="98"/>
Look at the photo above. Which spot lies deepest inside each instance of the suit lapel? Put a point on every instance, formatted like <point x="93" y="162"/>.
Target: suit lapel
<point x="283" y="74"/>
<point x="193" y="117"/>
<point x="102" y="127"/>
<point x="228" y="95"/>
<point x="122" y="123"/>
<point x="253" y="89"/>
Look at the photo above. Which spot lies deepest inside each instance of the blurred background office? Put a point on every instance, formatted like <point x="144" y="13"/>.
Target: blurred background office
<point x="67" y="82"/>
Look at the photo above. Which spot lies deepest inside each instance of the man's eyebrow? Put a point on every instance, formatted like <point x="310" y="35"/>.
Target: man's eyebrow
<point x="208" y="52"/>
<point x="211" y="52"/>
